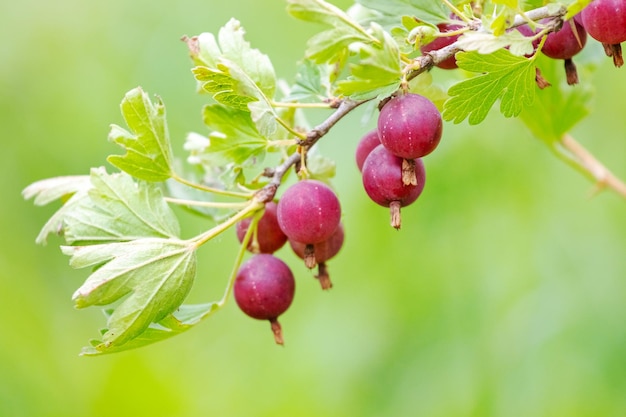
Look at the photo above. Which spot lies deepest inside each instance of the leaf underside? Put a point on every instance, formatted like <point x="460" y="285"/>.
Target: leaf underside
<point x="181" y="320"/>
<point x="150" y="276"/>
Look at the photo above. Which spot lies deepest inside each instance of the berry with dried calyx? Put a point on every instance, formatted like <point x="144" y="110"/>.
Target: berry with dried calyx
<point x="605" y="21"/>
<point x="264" y="289"/>
<point x="409" y="126"/>
<point x="324" y="251"/>
<point x="309" y="212"/>
<point x="382" y="180"/>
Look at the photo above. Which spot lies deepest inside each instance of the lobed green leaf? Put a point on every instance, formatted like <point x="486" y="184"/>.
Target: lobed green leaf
<point x="330" y="45"/>
<point x="234" y="137"/>
<point x="503" y="76"/>
<point x="223" y="87"/>
<point x="231" y="49"/>
<point x="154" y="274"/>
<point x="72" y="189"/>
<point x="148" y="149"/>
<point x="51" y="189"/>
<point x="311" y="83"/>
<point x="118" y="209"/>
<point x="319" y="11"/>
<point x="236" y="75"/>
<point x="378" y="72"/>
<point x="181" y="320"/>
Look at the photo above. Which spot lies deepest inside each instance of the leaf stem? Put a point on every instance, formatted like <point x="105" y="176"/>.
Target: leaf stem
<point x="301" y="105"/>
<point x="252" y="206"/>
<point x="291" y="130"/>
<point x="346" y="19"/>
<point x="239" y="258"/>
<point x="282" y="143"/>
<point x="207" y="189"/>
<point x="577" y="156"/>
<point x="268" y="192"/>
<point x="456" y="11"/>
<point x="345" y="107"/>
<point x="212" y="204"/>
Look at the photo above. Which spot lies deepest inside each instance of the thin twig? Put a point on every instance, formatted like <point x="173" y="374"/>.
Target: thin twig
<point x="267" y="193"/>
<point x="427" y="61"/>
<point x="591" y="166"/>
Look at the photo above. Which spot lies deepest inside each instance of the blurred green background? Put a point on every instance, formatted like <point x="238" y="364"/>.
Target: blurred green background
<point x="503" y="295"/>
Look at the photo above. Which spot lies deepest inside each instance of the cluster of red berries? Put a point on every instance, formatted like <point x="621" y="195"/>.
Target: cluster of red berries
<point x="390" y="160"/>
<point x="308" y="217"/>
<point x="390" y="156"/>
<point x="308" y="214"/>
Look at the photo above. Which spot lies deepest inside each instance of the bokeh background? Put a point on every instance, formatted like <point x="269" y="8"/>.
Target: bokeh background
<point x="504" y="294"/>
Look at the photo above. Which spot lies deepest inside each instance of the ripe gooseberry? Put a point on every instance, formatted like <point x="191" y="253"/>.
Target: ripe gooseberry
<point x="564" y="44"/>
<point x="605" y="21"/>
<point x="264" y="288"/>
<point x="382" y="180"/>
<point x="410" y="127"/>
<point x="268" y="237"/>
<point x="367" y="143"/>
<point x="309" y="212"/>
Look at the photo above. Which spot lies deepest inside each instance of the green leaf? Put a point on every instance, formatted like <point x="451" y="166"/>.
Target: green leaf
<point x="236" y="50"/>
<point x="502" y="20"/>
<point x="233" y="138"/>
<point x="236" y="75"/>
<point x="425" y="10"/>
<point x="51" y="189"/>
<point x="378" y="72"/>
<point x="175" y="189"/>
<point x="311" y="83"/>
<point x="320" y="11"/>
<point x="503" y="76"/>
<point x="487" y="43"/>
<point x="230" y="50"/>
<point x="148" y="149"/>
<point x="330" y="45"/>
<point x="558" y="107"/>
<point x="154" y="275"/>
<point x="118" y="209"/>
<point x="71" y="189"/>
<point x="224" y="88"/>
<point x="423" y="85"/>
<point x="532" y="4"/>
<point x="320" y="167"/>
<point x="183" y="319"/>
